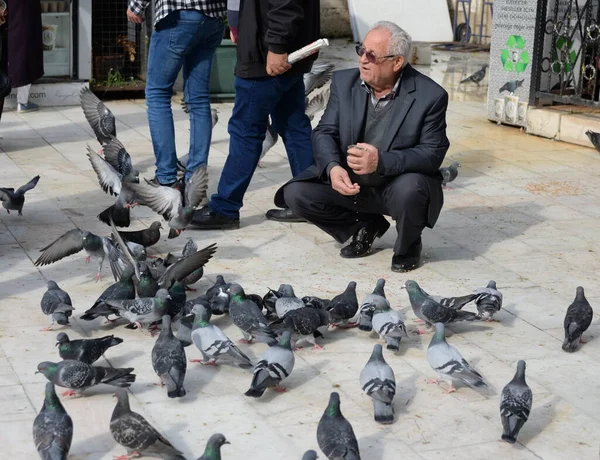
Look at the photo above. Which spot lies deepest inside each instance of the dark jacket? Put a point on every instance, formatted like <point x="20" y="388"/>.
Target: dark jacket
<point x="24" y="42"/>
<point x="415" y="139"/>
<point x="280" y="26"/>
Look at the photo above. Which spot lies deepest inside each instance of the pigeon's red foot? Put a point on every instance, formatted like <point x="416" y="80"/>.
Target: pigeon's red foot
<point x="68" y="393"/>
<point x="46" y="329"/>
<point x="420" y="332"/>
<point x="87" y="259"/>
<point x="279" y="389"/>
<point x="298" y="348"/>
<point x="244" y="341"/>
<point x="581" y="340"/>
<point x="20" y="214"/>
<point x="98" y="277"/>
<point x="432" y="381"/>
<point x="419" y="321"/>
<point x="450" y="390"/>
<point x="187" y="288"/>
<point x="260" y="165"/>
<point x="110" y="321"/>
<point x="351" y="325"/>
<point x="318" y="347"/>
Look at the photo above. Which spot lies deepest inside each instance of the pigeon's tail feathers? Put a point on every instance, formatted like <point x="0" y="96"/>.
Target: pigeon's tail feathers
<point x="393" y="343"/>
<point x="119" y="377"/>
<point x="255" y="392"/>
<point x="174" y="233"/>
<point x="466" y="316"/>
<point x="120" y="217"/>
<point x="114" y="341"/>
<point x="509" y="439"/>
<point x="265" y="335"/>
<point x="365" y="322"/>
<point x="465" y="80"/>
<point x="511" y="425"/>
<point x="176" y="393"/>
<point x="60" y="318"/>
<point x="384" y="412"/>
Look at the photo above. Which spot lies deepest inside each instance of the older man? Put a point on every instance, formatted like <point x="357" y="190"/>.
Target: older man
<point x="377" y="150"/>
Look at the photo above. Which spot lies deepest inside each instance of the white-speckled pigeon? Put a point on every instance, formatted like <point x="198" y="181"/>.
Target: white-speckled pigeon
<point x="52" y="428"/>
<point x="515" y="405"/>
<point x="98" y="116"/>
<point x="344" y="307"/>
<point x="169" y="361"/>
<point x="124" y="289"/>
<point x="14" y="201"/>
<point x="488" y="301"/>
<point x="248" y="316"/>
<point x="287" y="300"/>
<point x="305" y="323"/>
<point x="577" y="320"/>
<point x="378" y="381"/>
<point x="335" y="434"/>
<point x="145" y="311"/>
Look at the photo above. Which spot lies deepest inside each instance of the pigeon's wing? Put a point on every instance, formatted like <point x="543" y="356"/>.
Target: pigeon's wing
<point x="66" y="245"/>
<point x="280" y="362"/>
<point x="162" y="200"/>
<point x="186" y="265"/>
<point x="445" y="174"/>
<point x="110" y="180"/>
<point x="124" y="249"/>
<point x="319" y="76"/>
<point x="378" y="381"/>
<point x="6" y="194"/>
<point x="196" y="188"/>
<point x="516" y="400"/>
<point x="29" y="185"/>
<point x="190" y="248"/>
<point x="446" y="359"/>
<point x="118" y="157"/>
<point x="98" y="116"/>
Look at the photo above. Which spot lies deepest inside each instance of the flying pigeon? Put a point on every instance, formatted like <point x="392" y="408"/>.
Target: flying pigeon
<point x="190" y="248"/>
<point x="477" y="77"/>
<point x="449" y="173"/>
<point x="594" y="138"/>
<point x="52" y="428"/>
<point x="213" y="447"/>
<point x="124" y="289"/>
<point x="335" y="434"/>
<point x="377" y="297"/>
<point x="147" y="237"/>
<point x="248" y="316"/>
<point x="72" y="242"/>
<point x="271" y="138"/>
<point x="515" y="405"/>
<point x="304" y="322"/>
<point x="145" y="311"/>
<point x="56" y="305"/>
<point x="98" y="116"/>
<point x="511" y="86"/>
<point x="379" y="383"/>
<point x="287" y="300"/>
<point x="78" y="376"/>
<point x="449" y="363"/>
<point x="488" y="301"/>
<point x="85" y="350"/>
<point x="275" y="365"/>
<point x="168" y="360"/>
<point x="214" y="344"/>
<point x="14" y="201"/>
<point x="309" y="455"/>
<point x="344" y="307"/>
<point x="577" y="320"/>
<point x="133" y="432"/>
<point x="188" y="266"/>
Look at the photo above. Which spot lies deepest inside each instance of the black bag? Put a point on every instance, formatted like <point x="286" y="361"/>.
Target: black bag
<point x="4" y="82"/>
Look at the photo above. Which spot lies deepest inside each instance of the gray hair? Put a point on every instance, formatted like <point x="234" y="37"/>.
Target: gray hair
<point x="400" y="40"/>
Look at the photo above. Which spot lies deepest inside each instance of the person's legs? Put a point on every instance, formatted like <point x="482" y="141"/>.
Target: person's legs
<point x="196" y="75"/>
<point x="23" y="94"/>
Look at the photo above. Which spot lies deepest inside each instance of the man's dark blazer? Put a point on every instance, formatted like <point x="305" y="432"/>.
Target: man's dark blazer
<point x="414" y="141"/>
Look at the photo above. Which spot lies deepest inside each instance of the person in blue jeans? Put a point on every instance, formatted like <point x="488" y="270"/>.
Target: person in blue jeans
<point x="187" y="33"/>
<point x="266" y="31"/>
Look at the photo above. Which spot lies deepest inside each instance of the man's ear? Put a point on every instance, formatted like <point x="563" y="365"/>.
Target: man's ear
<point x="399" y="63"/>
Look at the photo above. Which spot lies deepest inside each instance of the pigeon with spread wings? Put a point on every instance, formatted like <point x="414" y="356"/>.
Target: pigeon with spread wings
<point x="100" y="118"/>
<point x="14" y="201"/>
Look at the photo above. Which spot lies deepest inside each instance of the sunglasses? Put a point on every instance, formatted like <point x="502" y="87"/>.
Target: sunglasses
<point x="370" y="55"/>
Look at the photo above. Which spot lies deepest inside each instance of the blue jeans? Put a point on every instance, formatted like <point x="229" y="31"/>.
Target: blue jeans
<point x="185" y="38"/>
<point x="283" y="98"/>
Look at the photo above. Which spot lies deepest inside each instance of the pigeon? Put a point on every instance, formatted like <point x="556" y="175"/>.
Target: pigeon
<point x="175" y="207"/>
<point x="168" y="360"/>
<point x="187" y="266"/>
<point x="304" y="322"/>
<point x="217" y="296"/>
<point x="147" y="286"/>
<point x="275" y="365"/>
<point x="379" y="383"/>
<point x="98" y="116"/>
<point x="248" y="316"/>
<point x="144" y="311"/>
<point x="377" y="297"/>
<point x="488" y="301"/>
<point x="188" y="315"/>
<point x="213" y="447"/>
<point x="388" y="324"/>
<point x="577" y="320"/>
<point x="85" y="350"/>
<point x="78" y="376"/>
<point x="124" y="289"/>
<point x="430" y="311"/>
<point x="269" y="300"/>
<point x="271" y="138"/>
<point x="190" y="248"/>
<point x="14" y="201"/>
<point x="594" y="138"/>
<point x="133" y="432"/>
<point x="287" y="300"/>
<point x="118" y="157"/>
<point x="52" y="428"/>
<point x="72" y="242"/>
<point x="56" y="305"/>
<point x="335" y="434"/>
<point x="515" y="405"/>
<point x="477" y="77"/>
<point x="147" y="237"/>
<point x="449" y="363"/>
<point x="344" y="307"/>
<point x="178" y="300"/>
<point x="315" y="92"/>
<point x="214" y="344"/>
<point x="131" y="257"/>
<point x="310" y="455"/>
<point x="316" y="302"/>
<point x="456" y="303"/>
<point x="511" y="86"/>
<point x="215" y="289"/>
<point x="449" y="173"/>
<point x="214" y="114"/>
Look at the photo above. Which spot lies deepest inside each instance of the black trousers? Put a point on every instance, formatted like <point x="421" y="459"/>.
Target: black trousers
<point x="406" y="199"/>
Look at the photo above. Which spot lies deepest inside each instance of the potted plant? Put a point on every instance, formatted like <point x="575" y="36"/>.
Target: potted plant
<point x="223" y="67"/>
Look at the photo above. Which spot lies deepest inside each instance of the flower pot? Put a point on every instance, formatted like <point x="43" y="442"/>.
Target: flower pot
<point x="222" y="74"/>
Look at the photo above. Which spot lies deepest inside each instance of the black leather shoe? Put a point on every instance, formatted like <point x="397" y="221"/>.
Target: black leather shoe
<point x="362" y="241"/>
<point x="207" y="219"/>
<point x="283" y="215"/>
<point x="402" y="263"/>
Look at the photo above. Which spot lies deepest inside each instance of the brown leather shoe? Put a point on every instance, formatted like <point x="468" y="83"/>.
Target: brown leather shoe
<point x="402" y="263"/>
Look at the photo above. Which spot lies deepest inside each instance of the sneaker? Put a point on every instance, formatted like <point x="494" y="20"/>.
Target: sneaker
<point x="29" y="107"/>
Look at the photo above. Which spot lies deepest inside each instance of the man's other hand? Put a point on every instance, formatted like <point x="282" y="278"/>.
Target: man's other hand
<point x="363" y="158"/>
<point x="233" y="34"/>
<point x="341" y="183"/>
<point x="277" y="64"/>
<point x="132" y="17"/>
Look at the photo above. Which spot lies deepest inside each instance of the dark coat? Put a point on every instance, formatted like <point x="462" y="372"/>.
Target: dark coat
<point x="415" y="139"/>
<point x="24" y="42"/>
<point x="279" y="26"/>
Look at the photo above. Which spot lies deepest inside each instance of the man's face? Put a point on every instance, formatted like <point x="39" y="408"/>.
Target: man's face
<point x="382" y="71"/>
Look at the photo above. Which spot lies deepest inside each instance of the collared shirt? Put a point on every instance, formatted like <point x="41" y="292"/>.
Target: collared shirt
<point x="382" y="101"/>
<point x="212" y="8"/>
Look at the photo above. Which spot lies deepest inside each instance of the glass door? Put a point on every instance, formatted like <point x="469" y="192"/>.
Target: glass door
<point x="57" y="37"/>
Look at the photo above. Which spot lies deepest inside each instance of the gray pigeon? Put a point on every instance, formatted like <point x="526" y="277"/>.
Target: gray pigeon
<point x="430" y="311"/>
<point x="275" y="365"/>
<point x="191" y="248"/>
<point x="188" y="267"/>
<point x="214" y="344"/>
<point x="287" y="300"/>
<point x="449" y="173"/>
<point x="344" y="307"/>
<point x="305" y="323"/>
<point x="488" y="301"/>
<point x="213" y="447"/>
<point x="79" y="376"/>
<point x="515" y="405"/>
<point x="316" y="302"/>
<point x="379" y="383"/>
<point x="133" y="432"/>
<point x="310" y="455"/>
<point x="52" y="428"/>
<point x="56" y="305"/>
<point x="168" y="360"/>
<point x="146" y="237"/>
<point x="148" y="285"/>
<point x="271" y="138"/>
<point x="72" y="242"/>
<point x="186" y="323"/>
<point x="511" y="86"/>
<point x="98" y="116"/>
<point x="316" y="97"/>
<point x="85" y="350"/>
<point x="594" y="138"/>
<point x="477" y="77"/>
<point x="14" y="201"/>
<point x="377" y="297"/>
<point x="335" y="434"/>
<point x="145" y="311"/>
<point x="388" y="324"/>
<point x="248" y="316"/>
<point x="577" y="320"/>
<point x="449" y="363"/>
<point x="124" y="289"/>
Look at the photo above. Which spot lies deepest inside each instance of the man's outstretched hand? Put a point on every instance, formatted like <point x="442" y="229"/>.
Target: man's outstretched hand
<point x="341" y="183"/>
<point x="132" y="17"/>
<point x="277" y="64"/>
<point x="363" y="158"/>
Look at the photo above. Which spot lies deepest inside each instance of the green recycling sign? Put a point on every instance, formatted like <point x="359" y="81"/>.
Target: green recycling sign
<point x="514" y="58"/>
